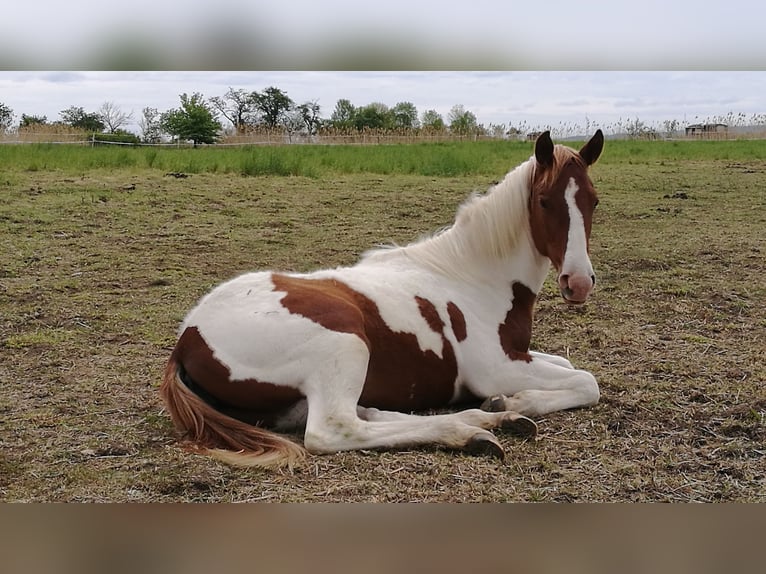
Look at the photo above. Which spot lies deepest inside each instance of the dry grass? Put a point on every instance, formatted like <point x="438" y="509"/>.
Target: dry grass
<point x="99" y="268"/>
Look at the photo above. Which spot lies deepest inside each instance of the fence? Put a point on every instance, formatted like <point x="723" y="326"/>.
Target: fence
<point x="265" y="139"/>
<point x="273" y="138"/>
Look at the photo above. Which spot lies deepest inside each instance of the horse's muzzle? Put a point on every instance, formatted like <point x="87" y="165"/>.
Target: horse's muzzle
<point x="576" y="288"/>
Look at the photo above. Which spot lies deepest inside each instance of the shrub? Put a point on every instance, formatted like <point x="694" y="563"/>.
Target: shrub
<point x="117" y="137"/>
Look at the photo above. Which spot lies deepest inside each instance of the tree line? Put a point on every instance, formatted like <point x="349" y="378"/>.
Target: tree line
<point x="205" y="120"/>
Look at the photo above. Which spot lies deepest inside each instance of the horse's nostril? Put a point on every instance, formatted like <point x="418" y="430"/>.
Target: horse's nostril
<point x="593" y="279"/>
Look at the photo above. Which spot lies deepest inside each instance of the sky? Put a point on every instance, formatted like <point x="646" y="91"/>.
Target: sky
<point x="342" y="34"/>
<point x="533" y="99"/>
<point x="539" y="63"/>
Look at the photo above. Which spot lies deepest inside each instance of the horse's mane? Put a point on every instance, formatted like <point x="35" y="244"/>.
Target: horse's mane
<point x="561" y="156"/>
<point x="488" y="226"/>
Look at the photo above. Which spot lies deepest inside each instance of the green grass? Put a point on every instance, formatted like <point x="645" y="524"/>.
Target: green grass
<point x="449" y="159"/>
<point x="428" y="159"/>
<point x="44" y="337"/>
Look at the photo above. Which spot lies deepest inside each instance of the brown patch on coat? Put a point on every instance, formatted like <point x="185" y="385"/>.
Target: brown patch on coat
<point x="400" y="375"/>
<point x="430" y="314"/>
<point x="516" y="331"/>
<point x="457" y="321"/>
<point x="247" y="400"/>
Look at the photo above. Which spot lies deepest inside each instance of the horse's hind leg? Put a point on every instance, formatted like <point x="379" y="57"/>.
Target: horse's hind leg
<point x="511" y="421"/>
<point x="398" y="430"/>
<point x="333" y="423"/>
<point x="294" y="418"/>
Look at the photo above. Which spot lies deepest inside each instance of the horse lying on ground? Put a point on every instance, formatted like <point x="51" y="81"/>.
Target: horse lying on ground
<point x="349" y="353"/>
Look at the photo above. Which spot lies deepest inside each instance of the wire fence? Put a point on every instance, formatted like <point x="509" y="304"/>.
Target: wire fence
<point x="257" y="139"/>
<point x="276" y="138"/>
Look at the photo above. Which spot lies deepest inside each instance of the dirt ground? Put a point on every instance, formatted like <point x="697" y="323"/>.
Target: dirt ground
<point x="98" y="269"/>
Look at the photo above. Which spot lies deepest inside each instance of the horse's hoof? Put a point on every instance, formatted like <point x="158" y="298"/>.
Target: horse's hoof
<point x="494" y="404"/>
<point x="483" y="445"/>
<point x="520" y="425"/>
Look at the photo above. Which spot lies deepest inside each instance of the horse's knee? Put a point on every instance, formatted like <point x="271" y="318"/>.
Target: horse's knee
<point x="590" y="391"/>
<point x="321" y="441"/>
<point x="316" y="443"/>
<point x="553" y="359"/>
<point x="562" y="362"/>
<point x="331" y="434"/>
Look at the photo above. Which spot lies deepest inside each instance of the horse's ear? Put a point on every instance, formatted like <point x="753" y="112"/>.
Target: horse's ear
<point x="591" y="150"/>
<point x="544" y="149"/>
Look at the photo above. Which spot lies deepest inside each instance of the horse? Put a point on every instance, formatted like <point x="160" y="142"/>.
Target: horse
<point x="360" y="357"/>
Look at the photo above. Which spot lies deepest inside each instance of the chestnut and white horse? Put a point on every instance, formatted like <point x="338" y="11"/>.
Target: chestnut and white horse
<point x="348" y="354"/>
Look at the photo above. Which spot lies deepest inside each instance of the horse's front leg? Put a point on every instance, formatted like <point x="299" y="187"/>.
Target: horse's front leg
<point x="542" y="386"/>
<point x="555" y="359"/>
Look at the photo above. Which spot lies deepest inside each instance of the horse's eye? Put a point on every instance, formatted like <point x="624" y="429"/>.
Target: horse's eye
<point x="543" y="203"/>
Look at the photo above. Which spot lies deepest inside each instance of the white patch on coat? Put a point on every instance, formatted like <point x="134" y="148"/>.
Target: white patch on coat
<point x="576" y="260"/>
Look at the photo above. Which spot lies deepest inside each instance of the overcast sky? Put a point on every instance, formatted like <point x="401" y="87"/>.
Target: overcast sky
<point x="511" y="98"/>
<point x="480" y="34"/>
<point x="544" y="43"/>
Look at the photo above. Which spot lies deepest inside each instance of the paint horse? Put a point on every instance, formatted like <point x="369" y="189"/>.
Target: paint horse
<point x="348" y="354"/>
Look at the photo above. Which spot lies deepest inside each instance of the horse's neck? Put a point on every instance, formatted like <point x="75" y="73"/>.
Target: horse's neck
<point x="491" y="239"/>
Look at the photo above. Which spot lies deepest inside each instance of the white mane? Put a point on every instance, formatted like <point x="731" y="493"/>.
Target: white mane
<point x="487" y="227"/>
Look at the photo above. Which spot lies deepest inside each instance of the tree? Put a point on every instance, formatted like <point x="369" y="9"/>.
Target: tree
<point x="237" y="106"/>
<point x="80" y="119"/>
<point x="462" y="122"/>
<point x="342" y="117"/>
<point x="151" y="129"/>
<point x="113" y="117"/>
<point x="27" y="121"/>
<point x="309" y="113"/>
<point x="374" y="116"/>
<point x="432" y="121"/>
<point x="194" y="120"/>
<point x="637" y="129"/>
<point x="273" y="104"/>
<point x="292" y="123"/>
<point x="405" y="115"/>
<point x="6" y="118"/>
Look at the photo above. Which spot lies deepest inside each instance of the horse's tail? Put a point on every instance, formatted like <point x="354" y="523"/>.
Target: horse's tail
<point x="208" y="431"/>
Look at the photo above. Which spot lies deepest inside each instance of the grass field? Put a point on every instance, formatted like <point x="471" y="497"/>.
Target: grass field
<point x="318" y="161"/>
<point x="103" y="253"/>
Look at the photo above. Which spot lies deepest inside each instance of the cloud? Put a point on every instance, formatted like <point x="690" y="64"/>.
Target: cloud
<point x="511" y="98"/>
<point x="62" y="77"/>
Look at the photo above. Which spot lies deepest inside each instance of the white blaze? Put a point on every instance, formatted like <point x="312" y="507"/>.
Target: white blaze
<point x="576" y="260"/>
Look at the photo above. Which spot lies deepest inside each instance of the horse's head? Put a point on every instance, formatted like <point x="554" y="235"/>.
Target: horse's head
<point x="562" y="201"/>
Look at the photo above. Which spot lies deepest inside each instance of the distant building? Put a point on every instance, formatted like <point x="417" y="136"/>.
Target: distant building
<point x="707" y="130"/>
